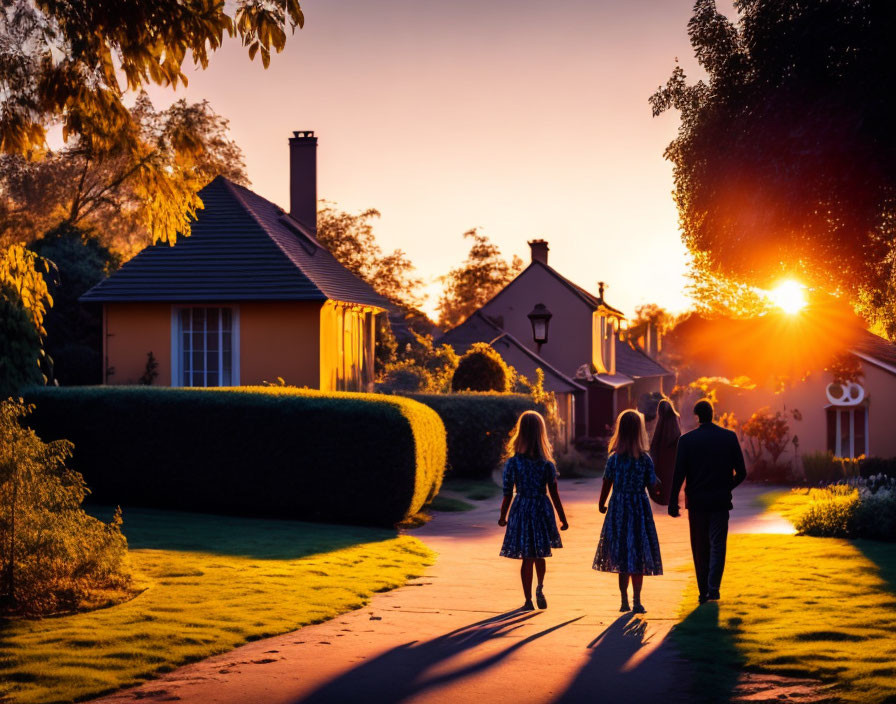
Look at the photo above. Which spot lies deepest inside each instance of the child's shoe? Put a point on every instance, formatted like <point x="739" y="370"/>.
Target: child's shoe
<point x="528" y="606"/>
<point x="625" y="607"/>
<point x="539" y="598"/>
<point x="639" y="608"/>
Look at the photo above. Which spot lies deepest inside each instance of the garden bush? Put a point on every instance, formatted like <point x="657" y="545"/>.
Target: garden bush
<point x="856" y="508"/>
<point x="482" y="369"/>
<point x="477" y="427"/>
<point x="263" y="451"/>
<point x="53" y="556"/>
<point x="822" y="468"/>
<point x="875" y="466"/>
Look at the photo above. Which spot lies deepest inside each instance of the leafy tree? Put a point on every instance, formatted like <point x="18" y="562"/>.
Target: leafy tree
<point x="72" y="62"/>
<point x="53" y="556"/>
<point x="471" y="285"/>
<point x="24" y="301"/>
<point x="423" y="366"/>
<point x="482" y="369"/>
<point x="784" y="161"/>
<point x="74" y="331"/>
<point x="129" y="197"/>
<point x="770" y="433"/>
<point x="350" y="238"/>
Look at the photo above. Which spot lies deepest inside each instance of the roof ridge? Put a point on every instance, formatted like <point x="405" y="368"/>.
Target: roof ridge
<point x="233" y="188"/>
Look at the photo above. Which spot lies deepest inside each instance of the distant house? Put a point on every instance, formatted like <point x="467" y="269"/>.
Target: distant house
<point x="249" y="296"/>
<point x="849" y="420"/>
<point x="601" y="372"/>
<point x="478" y="328"/>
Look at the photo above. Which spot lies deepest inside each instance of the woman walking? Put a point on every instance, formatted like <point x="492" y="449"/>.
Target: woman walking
<point x="663" y="446"/>
<point x="628" y="541"/>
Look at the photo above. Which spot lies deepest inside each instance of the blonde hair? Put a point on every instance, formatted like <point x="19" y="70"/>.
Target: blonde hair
<point x="530" y="437"/>
<point x="630" y="435"/>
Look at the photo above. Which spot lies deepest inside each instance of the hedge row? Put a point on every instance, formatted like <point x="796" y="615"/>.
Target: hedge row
<point x="338" y="458"/>
<point x="478" y="426"/>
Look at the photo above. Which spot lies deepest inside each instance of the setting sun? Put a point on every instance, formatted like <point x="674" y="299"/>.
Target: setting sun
<point x="789" y="296"/>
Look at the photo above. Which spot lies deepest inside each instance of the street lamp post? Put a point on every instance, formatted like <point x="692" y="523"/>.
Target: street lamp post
<point x="540" y="317"/>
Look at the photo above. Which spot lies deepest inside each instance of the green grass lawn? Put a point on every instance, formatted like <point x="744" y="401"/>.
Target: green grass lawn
<point x="212" y="583"/>
<point x="795" y="605"/>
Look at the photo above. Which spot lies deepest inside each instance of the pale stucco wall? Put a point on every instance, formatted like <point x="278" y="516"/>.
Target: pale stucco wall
<point x="280" y="339"/>
<point x="569" y="339"/>
<point x="276" y="339"/>
<point x="347" y="335"/>
<point x="131" y="330"/>
<point x="808" y="397"/>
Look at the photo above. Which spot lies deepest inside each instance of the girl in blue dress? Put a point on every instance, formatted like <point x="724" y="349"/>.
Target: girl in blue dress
<point x="628" y="541"/>
<point x="531" y="527"/>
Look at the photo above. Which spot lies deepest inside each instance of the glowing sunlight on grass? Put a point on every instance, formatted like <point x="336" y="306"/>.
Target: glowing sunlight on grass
<point x="213" y="584"/>
<point x="823" y="608"/>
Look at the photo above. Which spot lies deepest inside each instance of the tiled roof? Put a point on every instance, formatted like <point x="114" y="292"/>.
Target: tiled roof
<point x="634" y="363"/>
<point x="877" y="348"/>
<point x="478" y="328"/>
<point x="242" y="248"/>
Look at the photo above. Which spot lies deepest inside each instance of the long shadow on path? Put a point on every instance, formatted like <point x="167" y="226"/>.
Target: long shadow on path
<point x="401" y="672"/>
<point x="616" y="671"/>
<point x="711" y="650"/>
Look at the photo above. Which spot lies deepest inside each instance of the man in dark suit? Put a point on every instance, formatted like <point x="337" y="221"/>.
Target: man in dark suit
<point x="709" y="463"/>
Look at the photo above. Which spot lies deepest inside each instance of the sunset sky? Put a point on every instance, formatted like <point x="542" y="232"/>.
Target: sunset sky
<point x="526" y="119"/>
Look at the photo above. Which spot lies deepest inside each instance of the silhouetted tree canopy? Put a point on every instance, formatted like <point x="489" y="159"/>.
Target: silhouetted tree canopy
<point x="74" y="331"/>
<point x="471" y="285"/>
<point x="128" y="196"/>
<point x="71" y="63"/>
<point x="785" y="160"/>
<point x="350" y="238"/>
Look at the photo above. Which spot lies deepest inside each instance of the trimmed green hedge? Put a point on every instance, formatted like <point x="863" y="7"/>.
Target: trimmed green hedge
<point x="478" y="426"/>
<point x="278" y="452"/>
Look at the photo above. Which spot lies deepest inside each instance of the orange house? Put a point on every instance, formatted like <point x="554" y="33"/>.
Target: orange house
<point x="249" y="296"/>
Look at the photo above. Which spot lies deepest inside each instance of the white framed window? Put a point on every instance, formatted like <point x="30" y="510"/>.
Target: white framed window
<point x="848" y="431"/>
<point x="205" y="346"/>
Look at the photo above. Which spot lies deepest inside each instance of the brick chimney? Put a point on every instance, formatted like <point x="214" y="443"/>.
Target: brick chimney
<point x="539" y="250"/>
<point x="303" y="178"/>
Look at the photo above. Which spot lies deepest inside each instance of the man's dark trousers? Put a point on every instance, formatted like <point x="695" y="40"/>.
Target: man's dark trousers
<point x="709" y="538"/>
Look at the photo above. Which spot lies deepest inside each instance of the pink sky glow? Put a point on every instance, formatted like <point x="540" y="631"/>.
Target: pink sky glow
<point x="526" y="119"/>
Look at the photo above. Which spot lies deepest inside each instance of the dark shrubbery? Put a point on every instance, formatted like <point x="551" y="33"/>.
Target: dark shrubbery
<point x="875" y="466"/>
<point x="477" y="426"/>
<point x="53" y="556"/>
<point x="481" y="369"/>
<point x="273" y="451"/>
<point x="822" y="468"/>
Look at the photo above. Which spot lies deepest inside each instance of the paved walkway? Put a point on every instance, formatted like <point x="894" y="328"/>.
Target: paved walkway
<point x="454" y="635"/>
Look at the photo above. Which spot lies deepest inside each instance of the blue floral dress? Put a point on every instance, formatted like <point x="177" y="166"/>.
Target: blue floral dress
<point x="531" y="526"/>
<point x="628" y="540"/>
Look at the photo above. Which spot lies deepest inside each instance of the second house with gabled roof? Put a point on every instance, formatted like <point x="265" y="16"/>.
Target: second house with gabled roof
<point x="249" y="296"/>
<point x="594" y="371"/>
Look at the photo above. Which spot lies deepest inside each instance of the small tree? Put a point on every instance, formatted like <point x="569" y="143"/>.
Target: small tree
<point x="151" y="372"/>
<point x="24" y="301"/>
<point x="52" y="554"/>
<point x="769" y="433"/>
<point x="482" y="369"/>
<point x="469" y="286"/>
